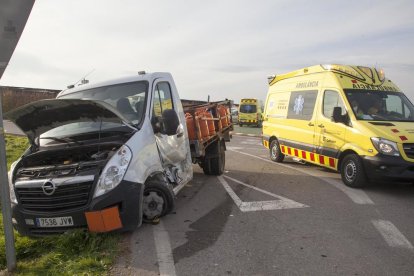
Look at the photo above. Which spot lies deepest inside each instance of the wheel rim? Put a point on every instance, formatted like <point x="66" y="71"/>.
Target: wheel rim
<point x="153" y="204"/>
<point x="350" y="171"/>
<point x="274" y="151"/>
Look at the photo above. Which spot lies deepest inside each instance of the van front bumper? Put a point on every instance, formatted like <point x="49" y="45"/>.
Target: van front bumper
<point x="392" y="168"/>
<point x="126" y="197"/>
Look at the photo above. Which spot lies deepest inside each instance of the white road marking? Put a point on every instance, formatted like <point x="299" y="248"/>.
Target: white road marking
<point x="357" y="196"/>
<point x="392" y="235"/>
<point x="164" y="252"/>
<point x="282" y="203"/>
<point x="251" y="142"/>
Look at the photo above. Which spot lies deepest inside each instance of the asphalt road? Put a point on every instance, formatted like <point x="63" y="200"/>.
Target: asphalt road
<point x="263" y="218"/>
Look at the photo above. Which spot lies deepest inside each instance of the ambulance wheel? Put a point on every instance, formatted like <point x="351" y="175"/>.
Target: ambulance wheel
<point x="276" y="154"/>
<point x="352" y="171"/>
<point x="158" y="200"/>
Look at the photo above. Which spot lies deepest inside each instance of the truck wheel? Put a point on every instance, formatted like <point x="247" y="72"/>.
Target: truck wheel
<point x="215" y="159"/>
<point x="218" y="163"/>
<point x="276" y="154"/>
<point x="206" y="166"/>
<point x="352" y="171"/>
<point x="158" y="200"/>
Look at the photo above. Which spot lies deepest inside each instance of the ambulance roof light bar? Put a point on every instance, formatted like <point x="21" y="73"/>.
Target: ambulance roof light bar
<point x="341" y="68"/>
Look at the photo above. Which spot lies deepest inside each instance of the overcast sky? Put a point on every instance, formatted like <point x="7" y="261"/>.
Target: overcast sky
<point x="225" y="49"/>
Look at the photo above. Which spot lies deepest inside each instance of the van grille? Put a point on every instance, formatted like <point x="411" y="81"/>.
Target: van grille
<point x="409" y="150"/>
<point x="65" y="197"/>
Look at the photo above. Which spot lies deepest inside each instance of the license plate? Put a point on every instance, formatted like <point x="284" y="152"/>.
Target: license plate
<point x="54" y="222"/>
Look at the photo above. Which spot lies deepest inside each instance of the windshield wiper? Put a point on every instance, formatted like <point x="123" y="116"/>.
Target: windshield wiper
<point x="63" y="140"/>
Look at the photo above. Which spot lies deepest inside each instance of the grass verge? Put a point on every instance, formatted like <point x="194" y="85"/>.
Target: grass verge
<point x="76" y="252"/>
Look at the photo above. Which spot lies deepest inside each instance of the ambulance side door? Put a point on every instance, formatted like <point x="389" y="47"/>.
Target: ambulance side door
<point x="330" y="135"/>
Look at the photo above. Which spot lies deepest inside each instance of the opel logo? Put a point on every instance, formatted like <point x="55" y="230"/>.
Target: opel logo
<point x="49" y="187"/>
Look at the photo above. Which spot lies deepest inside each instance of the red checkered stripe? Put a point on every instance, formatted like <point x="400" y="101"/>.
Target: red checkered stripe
<point x="322" y="160"/>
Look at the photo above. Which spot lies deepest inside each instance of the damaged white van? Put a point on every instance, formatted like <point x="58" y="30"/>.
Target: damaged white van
<point x="105" y="156"/>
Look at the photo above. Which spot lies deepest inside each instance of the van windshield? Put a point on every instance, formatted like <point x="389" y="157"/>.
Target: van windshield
<point x="369" y="105"/>
<point x="128" y="98"/>
<point x="248" y="108"/>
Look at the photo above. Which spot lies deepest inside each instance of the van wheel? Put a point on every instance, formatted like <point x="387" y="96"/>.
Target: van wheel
<point x="158" y="200"/>
<point x="352" y="171"/>
<point x="276" y="154"/>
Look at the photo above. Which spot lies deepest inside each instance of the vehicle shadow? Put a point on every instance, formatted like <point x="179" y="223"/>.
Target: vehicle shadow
<point x="392" y="188"/>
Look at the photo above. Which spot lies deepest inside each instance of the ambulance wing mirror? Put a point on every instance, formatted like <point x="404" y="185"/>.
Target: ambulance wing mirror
<point x="337" y="115"/>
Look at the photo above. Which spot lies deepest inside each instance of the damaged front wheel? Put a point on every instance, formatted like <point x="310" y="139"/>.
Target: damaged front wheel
<point x="157" y="202"/>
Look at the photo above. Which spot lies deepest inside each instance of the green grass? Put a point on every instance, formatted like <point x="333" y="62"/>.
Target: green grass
<point x="76" y="252"/>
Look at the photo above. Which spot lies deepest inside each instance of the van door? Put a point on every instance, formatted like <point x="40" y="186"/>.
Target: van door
<point x="330" y="136"/>
<point x="172" y="147"/>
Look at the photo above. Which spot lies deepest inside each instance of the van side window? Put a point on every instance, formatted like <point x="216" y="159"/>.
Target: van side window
<point x="162" y="98"/>
<point x="332" y="99"/>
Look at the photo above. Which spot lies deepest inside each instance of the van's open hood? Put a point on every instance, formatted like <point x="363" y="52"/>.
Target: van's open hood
<point x="41" y="116"/>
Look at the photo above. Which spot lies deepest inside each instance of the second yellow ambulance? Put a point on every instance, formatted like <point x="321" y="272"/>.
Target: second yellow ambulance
<point x="346" y="118"/>
<point x="250" y="112"/>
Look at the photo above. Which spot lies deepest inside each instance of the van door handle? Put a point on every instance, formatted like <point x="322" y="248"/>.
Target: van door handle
<point x="321" y="126"/>
<point x="311" y="124"/>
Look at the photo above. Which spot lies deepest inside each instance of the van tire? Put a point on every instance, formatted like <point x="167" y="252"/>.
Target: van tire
<point x="276" y="154"/>
<point x="215" y="159"/>
<point x="158" y="200"/>
<point x="352" y="171"/>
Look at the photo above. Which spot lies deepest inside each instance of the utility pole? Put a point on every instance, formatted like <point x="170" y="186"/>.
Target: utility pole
<point x="14" y="15"/>
<point x="5" y="200"/>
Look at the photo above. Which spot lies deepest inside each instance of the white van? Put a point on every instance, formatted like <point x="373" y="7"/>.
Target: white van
<point x="106" y="156"/>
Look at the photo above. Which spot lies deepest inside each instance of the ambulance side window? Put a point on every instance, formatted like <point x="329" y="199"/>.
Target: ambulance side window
<point x="332" y="99"/>
<point x="302" y="104"/>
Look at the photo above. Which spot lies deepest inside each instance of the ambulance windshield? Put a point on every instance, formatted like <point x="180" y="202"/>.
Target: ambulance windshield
<point x="374" y="105"/>
<point x="248" y="108"/>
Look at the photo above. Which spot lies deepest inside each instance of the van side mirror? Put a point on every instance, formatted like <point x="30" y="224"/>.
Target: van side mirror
<point x="170" y="121"/>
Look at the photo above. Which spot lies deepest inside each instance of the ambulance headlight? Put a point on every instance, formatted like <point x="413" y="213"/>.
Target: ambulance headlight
<point x="385" y="146"/>
<point x="114" y="171"/>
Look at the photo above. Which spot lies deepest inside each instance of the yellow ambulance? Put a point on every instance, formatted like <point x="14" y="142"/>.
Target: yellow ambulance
<point x="250" y="112"/>
<point x="346" y="118"/>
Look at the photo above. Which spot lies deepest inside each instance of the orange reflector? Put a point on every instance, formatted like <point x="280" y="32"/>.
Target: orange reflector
<point x="104" y="221"/>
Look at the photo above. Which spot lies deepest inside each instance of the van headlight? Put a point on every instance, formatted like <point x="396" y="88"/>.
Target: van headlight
<point x="385" y="146"/>
<point x="114" y="171"/>
<point x="13" y="198"/>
